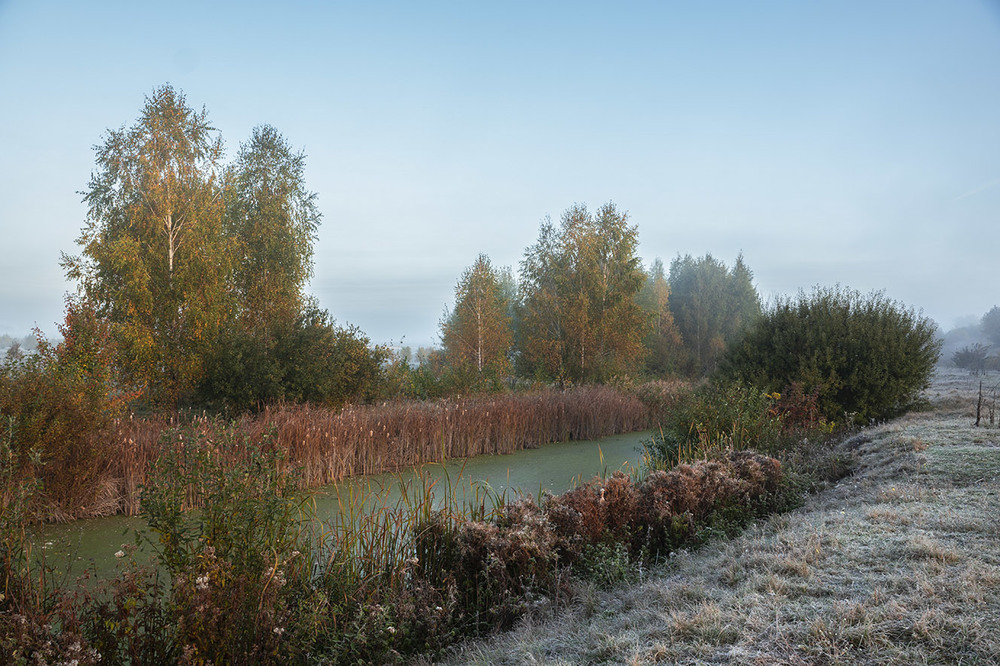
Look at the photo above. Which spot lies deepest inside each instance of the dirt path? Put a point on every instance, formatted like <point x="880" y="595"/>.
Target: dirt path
<point x="897" y="564"/>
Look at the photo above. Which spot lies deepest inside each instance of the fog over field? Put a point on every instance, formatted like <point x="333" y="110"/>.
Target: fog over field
<point x="830" y="142"/>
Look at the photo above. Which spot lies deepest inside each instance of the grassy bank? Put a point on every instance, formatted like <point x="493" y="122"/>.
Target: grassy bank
<point x="898" y="563"/>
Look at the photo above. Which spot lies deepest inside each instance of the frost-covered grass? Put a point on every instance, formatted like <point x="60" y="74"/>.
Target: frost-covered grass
<point x="898" y="564"/>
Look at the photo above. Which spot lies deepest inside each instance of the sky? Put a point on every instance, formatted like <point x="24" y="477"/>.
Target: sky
<point x="842" y="142"/>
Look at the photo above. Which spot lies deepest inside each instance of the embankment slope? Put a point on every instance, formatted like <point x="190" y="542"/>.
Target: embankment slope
<point x="898" y="563"/>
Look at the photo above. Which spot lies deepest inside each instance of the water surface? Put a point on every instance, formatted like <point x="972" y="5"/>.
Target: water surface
<point x="553" y="467"/>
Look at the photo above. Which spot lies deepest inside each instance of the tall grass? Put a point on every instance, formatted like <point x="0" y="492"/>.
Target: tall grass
<point x="327" y="445"/>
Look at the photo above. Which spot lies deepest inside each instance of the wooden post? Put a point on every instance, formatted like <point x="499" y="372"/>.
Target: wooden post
<point x="979" y="403"/>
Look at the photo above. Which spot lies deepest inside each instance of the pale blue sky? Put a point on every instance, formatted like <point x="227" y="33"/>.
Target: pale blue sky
<point x="850" y="142"/>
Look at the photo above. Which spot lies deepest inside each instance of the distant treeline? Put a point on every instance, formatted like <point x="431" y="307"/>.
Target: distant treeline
<point x="26" y="343"/>
<point x="981" y="349"/>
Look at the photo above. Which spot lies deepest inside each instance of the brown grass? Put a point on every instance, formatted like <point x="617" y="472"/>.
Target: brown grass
<point x="328" y="445"/>
<point x="897" y="564"/>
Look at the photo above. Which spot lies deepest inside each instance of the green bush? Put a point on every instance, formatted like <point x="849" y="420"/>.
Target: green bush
<point x="241" y="374"/>
<point x="868" y="356"/>
<point x="328" y="364"/>
<point x="975" y="358"/>
<point x="311" y="360"/>
<point x="712" y="419"/>
<point x="608" y="564"/>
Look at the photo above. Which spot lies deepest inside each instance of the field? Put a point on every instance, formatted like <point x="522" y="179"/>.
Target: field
<point x="898" y="563"/>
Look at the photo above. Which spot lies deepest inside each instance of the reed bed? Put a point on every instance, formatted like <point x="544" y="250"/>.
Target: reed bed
<point x="326" y="446"/>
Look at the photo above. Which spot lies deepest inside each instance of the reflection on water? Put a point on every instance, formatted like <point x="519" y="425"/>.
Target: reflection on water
<point x="554" y="467"/>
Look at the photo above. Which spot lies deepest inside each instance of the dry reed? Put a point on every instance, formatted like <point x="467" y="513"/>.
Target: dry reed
<point x="327" y="445"/>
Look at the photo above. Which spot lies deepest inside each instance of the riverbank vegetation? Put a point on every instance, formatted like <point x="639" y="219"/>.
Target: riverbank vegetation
<point x="251" y="578"/>
<point x="324" y="446"/>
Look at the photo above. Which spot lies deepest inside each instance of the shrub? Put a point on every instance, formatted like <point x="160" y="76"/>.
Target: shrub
<point x="868" y="357"/>
<point x="38" y="621"/>
<point x="608" y="564"/>
<point x="128" y="619"/>
<point x="309" y="360"/>
<point x="241" y="373"/>
<point x="60" y="402"/>
<point x="974" y="358"/>
<point x="493" y="568"/>
<point x="598" y="509"/>
<point x="328" y="364"/>
<point x="713" y="419"/>
<point x="672" y="505"/>
<point x="799" y="410"/>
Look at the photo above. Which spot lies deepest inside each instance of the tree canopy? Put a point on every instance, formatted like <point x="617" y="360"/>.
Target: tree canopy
<point x="662" y="343"/>
<point x="711" y="304"/>
<point x="271" y="220"/>
<point x="199" y="269"/>
<point x="579" y="319"/>
<point x="155" y="259"/>
<point x="477" y="332"/>
<point x="990" y="325"/>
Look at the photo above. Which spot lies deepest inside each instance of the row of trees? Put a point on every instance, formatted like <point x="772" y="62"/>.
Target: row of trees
<point x="198" y="268"/>
<point x="192" y="274"/>
<point x="585" y="310"/>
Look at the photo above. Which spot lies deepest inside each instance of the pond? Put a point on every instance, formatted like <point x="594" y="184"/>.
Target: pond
<point x="553" y="467"/>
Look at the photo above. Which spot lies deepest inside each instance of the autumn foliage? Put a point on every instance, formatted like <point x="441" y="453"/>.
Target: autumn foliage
<point x="58" y="407"/>
<point x="494" y="568"/>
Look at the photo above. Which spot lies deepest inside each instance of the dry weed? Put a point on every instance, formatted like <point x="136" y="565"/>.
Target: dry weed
<point x="329" y="445"/>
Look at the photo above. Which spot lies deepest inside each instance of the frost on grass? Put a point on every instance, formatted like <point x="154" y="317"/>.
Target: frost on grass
<point x="897" y="564"/>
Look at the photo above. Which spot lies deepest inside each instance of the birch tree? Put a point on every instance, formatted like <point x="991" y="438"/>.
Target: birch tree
<point x="662" y="342"/>
<point x="477" y="333"/>
<point x="153" y="259"/>
<point x="580" y="319"/>
<point x="272" y="220"/>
